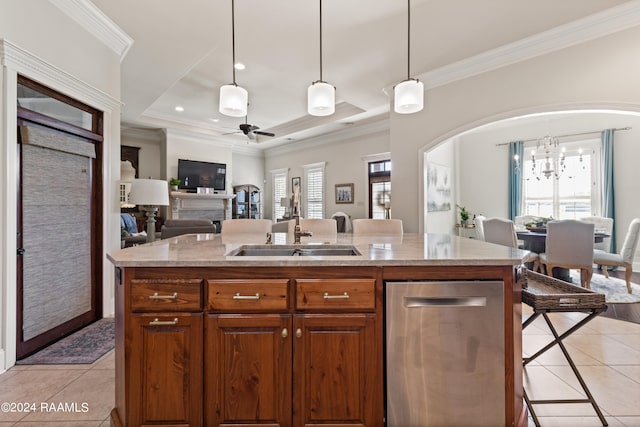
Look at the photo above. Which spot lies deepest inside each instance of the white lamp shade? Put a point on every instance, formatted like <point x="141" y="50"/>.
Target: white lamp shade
<point x="321" y="99"/>
<point x="233" y="101"/>
<point x="152" y="192"/>
<point x="285" y="202"/>
<point x="408" y="96"/>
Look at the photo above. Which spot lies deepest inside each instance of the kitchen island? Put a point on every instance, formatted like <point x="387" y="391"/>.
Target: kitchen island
<point x="211" y="333"/>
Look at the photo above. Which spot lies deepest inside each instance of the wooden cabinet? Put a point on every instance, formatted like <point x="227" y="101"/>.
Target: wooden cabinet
<point x="297" y="347"/>
<point x="308" y="364"/>
<point x="159" y="352"/>
<point x="248" y="202"/>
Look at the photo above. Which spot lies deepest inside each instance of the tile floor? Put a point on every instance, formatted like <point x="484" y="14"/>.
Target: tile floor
<point x="607" y="352"/>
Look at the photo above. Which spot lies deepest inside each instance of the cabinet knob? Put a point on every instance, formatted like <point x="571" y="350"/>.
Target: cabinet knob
<point x="285" y="333"/>
<point x="298" y="333"/>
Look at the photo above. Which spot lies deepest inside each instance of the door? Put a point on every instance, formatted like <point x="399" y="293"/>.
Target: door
<point x="248" y="370"/>
<point x="59" y="223"/>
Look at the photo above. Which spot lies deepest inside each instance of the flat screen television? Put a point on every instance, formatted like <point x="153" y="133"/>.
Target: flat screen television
<point x="193" y="174"/>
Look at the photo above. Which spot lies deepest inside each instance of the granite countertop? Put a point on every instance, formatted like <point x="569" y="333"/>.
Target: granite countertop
<point x="208" y="250"/>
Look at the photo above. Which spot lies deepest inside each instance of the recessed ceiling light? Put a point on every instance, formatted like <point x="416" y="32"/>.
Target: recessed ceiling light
<point x="214" y="120"/>
<point x="239" y="66"/>
<point x="179" y="108"/>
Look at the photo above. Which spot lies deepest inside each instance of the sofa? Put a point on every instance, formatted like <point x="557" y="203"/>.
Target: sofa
<point x="177" y="227"/>
<point x="129" y="234"/>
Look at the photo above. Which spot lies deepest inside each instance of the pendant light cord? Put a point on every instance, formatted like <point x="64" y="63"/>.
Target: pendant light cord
<point x="408" y="39"/>
<point x="320" y="40"/>
<point x="233" y="41"/>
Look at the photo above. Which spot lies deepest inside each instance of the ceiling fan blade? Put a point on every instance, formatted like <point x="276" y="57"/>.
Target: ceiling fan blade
<point x="258" y="132"/>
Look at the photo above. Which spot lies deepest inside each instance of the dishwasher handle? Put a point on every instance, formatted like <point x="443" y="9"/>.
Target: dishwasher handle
<point x="417" y="302"/>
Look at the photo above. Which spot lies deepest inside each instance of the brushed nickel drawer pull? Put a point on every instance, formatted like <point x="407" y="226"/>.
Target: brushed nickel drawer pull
<point x="238" y="296"/>
<point x="285" y="333"/>
<point x="156" y="296"/>
<point x="343" y="296"/>
<point x="158" y="322"/>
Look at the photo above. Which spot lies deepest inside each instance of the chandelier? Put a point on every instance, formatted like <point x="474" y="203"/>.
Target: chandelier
<point x="548" y="158"/>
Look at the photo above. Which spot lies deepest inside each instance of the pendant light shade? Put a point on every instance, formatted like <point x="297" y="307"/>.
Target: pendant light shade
<point x="408" y="96"/>
<point x="233" y="100"/>
<point x="321" y="96"/>
<point x="321" y="99"/>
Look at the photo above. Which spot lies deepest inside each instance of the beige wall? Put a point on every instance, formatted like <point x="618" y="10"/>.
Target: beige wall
<point x="346" y="161"/>
<point x="599" y="73"/>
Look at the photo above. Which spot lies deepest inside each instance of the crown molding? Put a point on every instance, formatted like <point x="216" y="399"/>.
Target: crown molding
<point x="594" y="26"/>
<point x="31" y="66"/>
<point x="93" y="20"/>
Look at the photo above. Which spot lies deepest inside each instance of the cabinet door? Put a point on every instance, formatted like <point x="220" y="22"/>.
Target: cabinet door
<point x="248" y="370"/>
<point x="337" y="375"/>
<point x="166" y="365"/>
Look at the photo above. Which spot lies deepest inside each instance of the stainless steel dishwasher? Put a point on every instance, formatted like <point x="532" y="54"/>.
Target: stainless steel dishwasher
<point x="445" y="354"/>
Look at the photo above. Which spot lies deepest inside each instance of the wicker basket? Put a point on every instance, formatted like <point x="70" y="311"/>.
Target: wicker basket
<point x="547" y="293"/>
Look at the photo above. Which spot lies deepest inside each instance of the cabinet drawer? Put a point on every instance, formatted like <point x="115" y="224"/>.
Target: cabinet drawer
<point x="248" y="295"/>
<point x="166" y="294"/>
<point x="335" y="294"/>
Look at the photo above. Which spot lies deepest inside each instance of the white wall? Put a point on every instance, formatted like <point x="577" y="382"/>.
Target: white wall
<point x="442" y="221"/>
<point x="345" y="163"/>
<point x="248" y="169"/>
<point x="599" y="73"/>
<point x="90" y="72"/>
<point x="150" y="156"/>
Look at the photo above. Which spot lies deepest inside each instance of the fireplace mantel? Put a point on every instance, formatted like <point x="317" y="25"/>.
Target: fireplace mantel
<point x="216" y="207"/>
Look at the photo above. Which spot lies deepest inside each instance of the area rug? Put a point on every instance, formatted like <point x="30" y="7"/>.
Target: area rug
<point x="614" y="289"/>
<point x="82" y="347"/>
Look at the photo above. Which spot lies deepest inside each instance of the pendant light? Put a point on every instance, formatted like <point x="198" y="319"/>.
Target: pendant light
<point x="408" y="94"/>
<point x="321" y="96"/>
<point x="233" y="98"/>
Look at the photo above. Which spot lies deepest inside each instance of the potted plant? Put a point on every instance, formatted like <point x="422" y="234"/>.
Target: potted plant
<point x="174" y="182"/>
<point x="464" y="215"/>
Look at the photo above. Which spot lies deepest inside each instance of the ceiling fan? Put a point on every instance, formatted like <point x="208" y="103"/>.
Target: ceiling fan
<point x="252" y="130"/>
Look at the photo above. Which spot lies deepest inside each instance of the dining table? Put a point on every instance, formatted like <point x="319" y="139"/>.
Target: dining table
<point x="535" y="240"/>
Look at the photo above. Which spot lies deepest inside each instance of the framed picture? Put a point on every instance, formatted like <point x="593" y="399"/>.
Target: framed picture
<point x="344" y="193"/>
<point x="438" y="188"/>
<point x="295" y="182"/>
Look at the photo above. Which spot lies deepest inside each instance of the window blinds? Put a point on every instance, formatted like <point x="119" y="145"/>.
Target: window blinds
<point x="315" y="192"/>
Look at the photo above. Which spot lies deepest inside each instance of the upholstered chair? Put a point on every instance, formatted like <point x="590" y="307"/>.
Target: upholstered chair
<point x="625" y="257"/>
<point x="503" y="232"/>
<point x="377" y="227"/>
<point x="245" y="230"/>
<point x="601" y="224"/>
<point x="321" y="229"/>
<point x="478" y="222"/>
<point x="569" y="244"/>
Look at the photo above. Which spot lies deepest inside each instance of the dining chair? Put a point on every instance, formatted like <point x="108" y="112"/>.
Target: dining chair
<point x="625" y="257"/>
<point x="601" y="224"/>
<point x="245" y="230"/>
<point x="478" y="222"/>
<point x="321" y="228"/>
<point x="503" y="232"/>
<point x="377" y="227"/>
<point x="569" y="244"/>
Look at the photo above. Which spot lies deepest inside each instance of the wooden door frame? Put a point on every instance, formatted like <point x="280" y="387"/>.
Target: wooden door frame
<point x="30" y="118"/>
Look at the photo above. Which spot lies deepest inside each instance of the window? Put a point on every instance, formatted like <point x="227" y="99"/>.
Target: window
<point x="314" y="193"/>
<point x="279" y="182"/>
<point x="574" y="194"/>
<point x="379" y="189"/>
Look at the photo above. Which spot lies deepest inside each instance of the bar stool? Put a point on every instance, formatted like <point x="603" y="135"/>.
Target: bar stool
<point x="549" y="295"/>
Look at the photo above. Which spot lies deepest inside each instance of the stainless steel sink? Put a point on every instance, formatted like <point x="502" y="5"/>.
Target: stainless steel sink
<point x="295" y="250"/>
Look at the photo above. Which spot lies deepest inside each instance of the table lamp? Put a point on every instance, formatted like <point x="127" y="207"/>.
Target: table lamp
<point x="285" y="202"/>
<point x="149" y="194"/>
